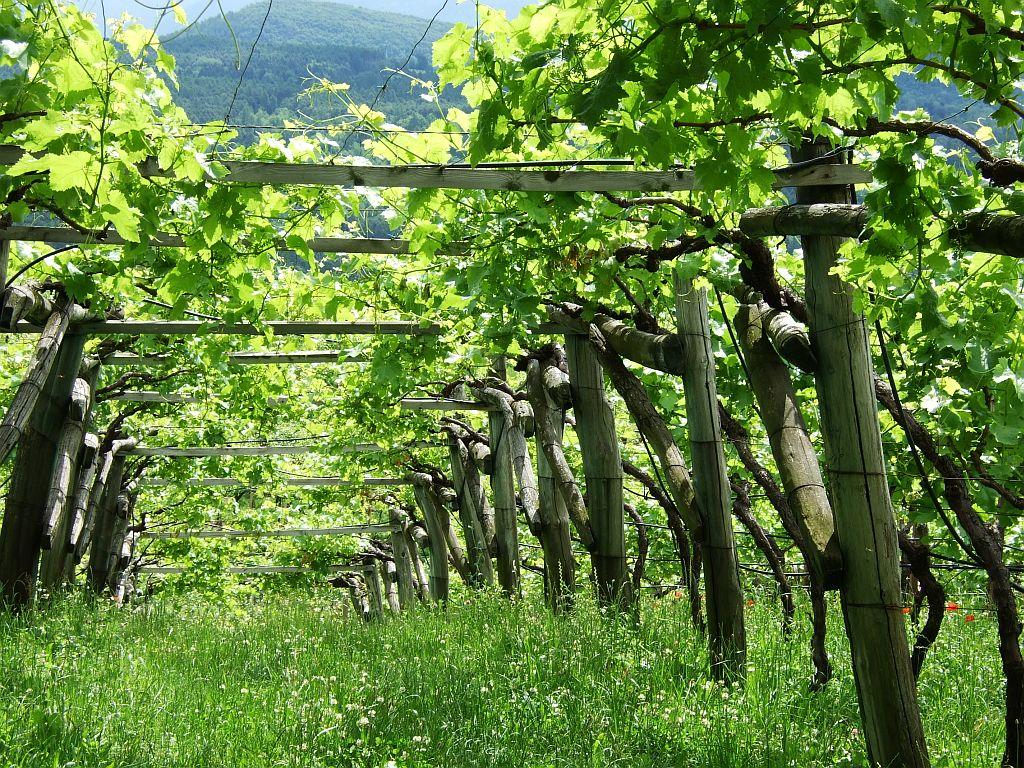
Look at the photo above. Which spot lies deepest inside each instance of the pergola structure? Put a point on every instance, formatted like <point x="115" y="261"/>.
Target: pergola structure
<point x="83" y="507"/>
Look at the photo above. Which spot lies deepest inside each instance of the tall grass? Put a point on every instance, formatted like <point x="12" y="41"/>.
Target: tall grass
<point x="287" y="681"/>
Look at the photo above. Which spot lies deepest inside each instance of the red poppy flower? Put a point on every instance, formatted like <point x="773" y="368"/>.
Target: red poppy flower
<point x="906" y="610"/>
<point x="677" y="594"/>
<point x="951" y="606"/>
<point x="969" y="617"/>
<point x="750" y="603"/>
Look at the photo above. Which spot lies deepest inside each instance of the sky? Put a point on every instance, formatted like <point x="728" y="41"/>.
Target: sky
<point x="452" y="10"/>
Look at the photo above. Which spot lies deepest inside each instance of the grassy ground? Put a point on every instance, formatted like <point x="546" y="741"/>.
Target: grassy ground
<point x="287" y="682"/>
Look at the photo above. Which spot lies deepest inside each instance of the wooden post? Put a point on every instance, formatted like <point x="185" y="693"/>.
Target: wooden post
<point x="57" y="565"/>
<point x="5" y="257"/>
<point x="437" y="536"/>
<point x="791" y="446"/>
<point x="506" y="531"/>
<point x="389" y="574"/>
<point x="104" y="526"/>
<point x="21" y="532"/>
<point x="724" y="594"/>
<point x="403" y="560"/>
<point x="602" y="467"/>
<point x="412" y="538"/>
<point x="124" y="508"/>
<point x="555" y="536"/>
<point x="52" y="349"/>
<point x="357" y="592"/>
<point x="863" y="511"/>
<point x="476" y="544"/>
<point x="371" y="578"/>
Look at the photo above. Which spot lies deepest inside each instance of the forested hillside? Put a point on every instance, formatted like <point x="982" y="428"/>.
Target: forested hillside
<point x="301" y="41"/>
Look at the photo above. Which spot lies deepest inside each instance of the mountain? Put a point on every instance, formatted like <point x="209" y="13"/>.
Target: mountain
<point x="148" y="12"/>
<point x="300" y="40"/>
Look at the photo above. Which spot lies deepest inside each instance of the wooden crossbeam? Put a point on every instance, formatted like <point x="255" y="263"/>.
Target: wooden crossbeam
<point x="246" y="570"/>
<point x="68" y="236"/>
<point x="254" y="450"/>
<point x="442" y="404"/>
<point x="300" y="357"/>
<point x="153" y="397"/>
<point x="279" y="328"/>
<point x="298" y="482"/>
<point x="507" y="179"/>
<point x="285" y="533"/>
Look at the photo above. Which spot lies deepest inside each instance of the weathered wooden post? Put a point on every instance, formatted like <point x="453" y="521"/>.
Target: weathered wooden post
<point x="57" y="565"/>
<point x="416" y="539"/>
<point x="371" y="578"/>
<point x="555" y="536"/>
<point x="506" y="532"/>
<point x="67" y="465"/>
<point x="389" y="575"/>
<point x="403" y="559"/>
<point x="125" y="511"/>
<point x="21" y="532"/>
<point x="724" y="594"/>
<point x="112" y="505"/>
<point x="431" y="510"/>
<point x="89" y="498"/>
<point x="602" y="467"/>
<point x="476" y="544"/>
<point x="864" y="519"/>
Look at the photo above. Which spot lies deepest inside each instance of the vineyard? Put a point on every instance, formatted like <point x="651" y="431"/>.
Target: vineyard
<point x="678" y="419"/>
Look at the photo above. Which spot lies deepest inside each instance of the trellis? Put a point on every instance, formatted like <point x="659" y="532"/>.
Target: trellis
<point x="861" y="558"/>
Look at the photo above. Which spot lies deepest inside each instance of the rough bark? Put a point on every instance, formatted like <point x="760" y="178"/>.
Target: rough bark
<point x="979" y="231"/>
<point x="506" y="532"/>
<point x="555" y="536"/>
<point x="659" y="351"/>
<point x="48" y="348"/>
<point x="918" y="557"/>
<point x="68" y="446"/>
<point x="795" y="457"/>
<point x="550" y="441"/>
<point x="21" y="531"/>
<point x="57" y="565"/>
<point x="400" y="551"/>
<point x="643" y="544"/>
<point x="112" y="506"/>
<point x="740" y="440"/>
<point x="86" y="517"/>
<point x="602" y="469"/>
<point x="476" y="543"/>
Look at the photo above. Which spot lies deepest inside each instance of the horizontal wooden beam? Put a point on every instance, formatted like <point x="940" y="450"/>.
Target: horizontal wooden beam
<point x="297" y="482"/>
<point x="68" y="236"/>
<point x="442" y="404"/>
<point x="463" y="177"/>
<point x="244" y="570"/>
<point x="153" y="397"/>
<point x="199" y="452"/>
<point x="279" y="328"/>
<point x="298" y="357"/>
<point x="285" y="533"/>
<point x="978" y="231"/>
